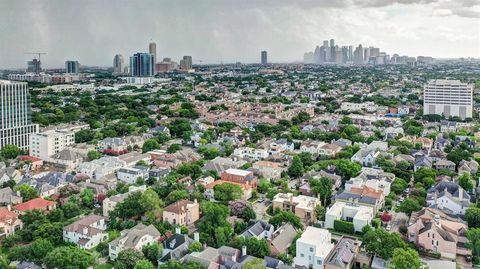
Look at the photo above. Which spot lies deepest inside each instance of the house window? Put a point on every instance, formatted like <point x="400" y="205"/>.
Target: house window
<point x="428" y="235"/>
<point x="311" y="249"/>
<point x="319" y="262"/>
<point x="433" y="243"/>
<point x="301" y="255"/>
<point x="433" y="235"/>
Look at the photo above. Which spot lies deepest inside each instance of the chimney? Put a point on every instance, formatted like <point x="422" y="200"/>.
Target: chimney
<point x="9" y="207"/>
<point x="460" y="193"/>
<point x="178" y="230"/>
<point x="196" y="236"/>
<point x="244" y="251"/>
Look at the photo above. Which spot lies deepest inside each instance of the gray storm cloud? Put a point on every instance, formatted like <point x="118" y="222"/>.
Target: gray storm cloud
<point x="229" y="31"/>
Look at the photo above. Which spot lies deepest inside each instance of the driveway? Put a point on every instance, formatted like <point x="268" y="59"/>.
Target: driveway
<point x="261" y="209"/>
<point x="399" y="219"/>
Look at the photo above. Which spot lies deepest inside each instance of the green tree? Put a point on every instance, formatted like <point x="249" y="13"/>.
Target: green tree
<point x="174" y="148"/>
<point x="255" y="247"/>
<point x="226" y="192"/>
<point x="10" y="151"/>
<point x="323" y="187"/>
<point x="263" y="185"/>
<point x="195" y="246"/>
<point x="152" y="252"/>
<point x="296" y="169"/>
<point x="405" y="259"/>
<point x="382" y="243"/>
<point x="128" y="258"/>
<point x="281" y="217"/>
<point x="409" y="205"/>
<point x="52" y="232"/>
<point x="87" y="196"/>
<point x="213" y="227"/>
<point x="68" y="257"/>
<point x="27" y="192"/>
<point x="143" y="264"/>
<point x="473" y="235"/>
<point x="465" y="181"/>
<point x="472" y="215"/>
<point x="93" y="155"/>
<point x="254" y="264"/>
<point x="149" y="145"/>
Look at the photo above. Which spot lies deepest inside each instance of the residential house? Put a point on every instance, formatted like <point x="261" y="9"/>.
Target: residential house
<point x="329" y="150"/>
<point x="9" y="222"/>
<point x="9" y="197"/>
<point x="433" y="230"/>
<point x="9" y="173"/>
<point x="240" y="176"/>
<point x="182" y="212"/>
<point x="134" y="238"/>
<point x="392" y="132"/>
<point x="268" y="170"/>
<point x="119" y="144"/>
<point x="311" y="146"/>
<point x="449" y="197"/>
<point x="351" y="211"/>
<point x="313" y="248"/>
<point x="220" y="164"/>
<point x="404" y="158"/>
<point x="469" y="167"/>
<point x="86" y="232"/>
<point x="48" y="184"/>
<point x="99" y="168"/>
<point x="373" y="178"/>
<point x="343" y="254"/>
<point x="210" y="189"/>
<point x="36" y="203"/>
<point x="109" y="203"/>
<point x="67" y="159"/>
<point x="436" y="155"/>
<point x="248" y="153"/>
<point x="445" y="164"/>
<point x="303" y="206"/>
<point x="280" y="145"/>
<point x="34" y="163"/>
<point x="175" y="247"/>
<point x="131" y="175"/>
<point x="259" y="230"/>
<point x="422" y="161"/>
<point x="342" y="142"/>
<point x="282" y="239"/>
<point x="378" y="145"/>
<point x="172" y="160"/>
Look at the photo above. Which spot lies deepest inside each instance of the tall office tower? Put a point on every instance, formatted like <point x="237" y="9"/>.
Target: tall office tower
<point x="344" y="54"/>
<point x="263" y="56"/>
<point x="15" y="114"/>
<point x="448" y="98"/>
<point x="186" y="63"/>
<point x="366" y="54"/>
<point x="350" y="53"/>
<point x="152" y="49"/>
<point x="34" y="66"/>
<point x="358" y="55"/>
<point x="316" y="55"/>
<point x="327" y="50"/>
<point x="323" y="54"/>
<point x="333" y="50"/>
<point x="118" y="64"/>
<point x="374" y="52"/>
<point x="142" y="65"/>
<point x="71" y="67"/>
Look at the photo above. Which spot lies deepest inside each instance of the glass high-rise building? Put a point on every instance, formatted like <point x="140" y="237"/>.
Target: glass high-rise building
<point x="264" y="56"/>
<point x="142" y="65"/>
<point x="71" y="67"/>
<point x="118" y="64"/>
<point x="15" y="114"/>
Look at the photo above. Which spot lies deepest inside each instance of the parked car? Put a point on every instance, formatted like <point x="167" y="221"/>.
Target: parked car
<point x="389" y="227"/>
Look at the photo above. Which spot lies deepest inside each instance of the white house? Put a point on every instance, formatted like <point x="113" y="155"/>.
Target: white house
<point x="313" y="248"/>
<point x="449" y="197"/>
<point x="87" y="232"/>
<point x="135" y="238"/>
<point x="359" y="215"/>
<point x="280" y="145"/>
<point x="311" y="147"/>
<point x="251" y="153"/>
<point x="43" y="145"/>
<point x="130" y="175"/>
<point x="97" y="169"/>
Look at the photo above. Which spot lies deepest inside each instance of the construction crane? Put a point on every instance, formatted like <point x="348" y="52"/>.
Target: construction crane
<point x="37" y="53"/>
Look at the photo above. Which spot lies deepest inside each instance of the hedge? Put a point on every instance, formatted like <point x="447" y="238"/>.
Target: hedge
<point x="343" y="226"/>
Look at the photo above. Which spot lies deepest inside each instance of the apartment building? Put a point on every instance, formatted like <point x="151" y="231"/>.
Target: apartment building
<point x="44" y="145"/>
<point x="448" y="98"/>
<point x="303" y="206"/>
<point x="313" y="248"/>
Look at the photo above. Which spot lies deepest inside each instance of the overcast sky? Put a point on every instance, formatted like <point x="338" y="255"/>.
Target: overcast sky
<point x="93" y="31"/>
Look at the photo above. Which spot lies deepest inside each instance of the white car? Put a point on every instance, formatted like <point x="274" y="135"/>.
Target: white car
<point x="389" y="227"/>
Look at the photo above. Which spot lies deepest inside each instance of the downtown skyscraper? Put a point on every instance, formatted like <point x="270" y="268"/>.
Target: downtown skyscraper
<point x="142" y="65"/>
<point x="263" y="56"/>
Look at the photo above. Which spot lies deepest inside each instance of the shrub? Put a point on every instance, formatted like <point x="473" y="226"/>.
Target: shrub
<point x="343" y="226"/>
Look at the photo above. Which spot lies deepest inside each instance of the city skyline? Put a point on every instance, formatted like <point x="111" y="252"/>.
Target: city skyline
<point x="226" y="31"/>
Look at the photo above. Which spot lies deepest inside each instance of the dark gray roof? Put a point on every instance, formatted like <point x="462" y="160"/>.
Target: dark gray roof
<point x="256" y="229"/>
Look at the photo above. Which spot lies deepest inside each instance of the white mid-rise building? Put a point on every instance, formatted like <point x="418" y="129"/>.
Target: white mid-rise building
<point x="448" y="98"/>
<point x="359" y="215"/>
<point x="313" y="247"/>
<point x="44" y="145"/>
<point x="15" y="114"/>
